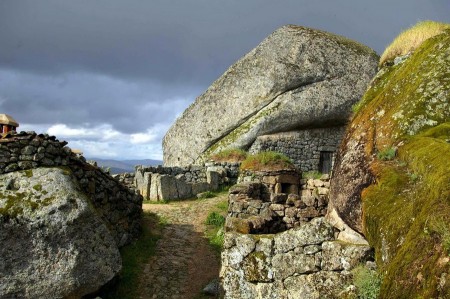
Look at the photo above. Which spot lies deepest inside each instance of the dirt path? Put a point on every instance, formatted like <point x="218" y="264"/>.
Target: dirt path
<point x="184" y="262"/>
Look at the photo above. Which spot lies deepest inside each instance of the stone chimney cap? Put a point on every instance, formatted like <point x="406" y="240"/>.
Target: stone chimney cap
<point x="6" y="119"/>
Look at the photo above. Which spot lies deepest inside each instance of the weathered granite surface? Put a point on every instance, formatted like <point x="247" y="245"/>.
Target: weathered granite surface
<point x="297" y="77"/>
<point x="53" y="243"/>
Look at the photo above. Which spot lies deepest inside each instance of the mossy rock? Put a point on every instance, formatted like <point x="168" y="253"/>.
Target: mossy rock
<point x="402" y="205"/>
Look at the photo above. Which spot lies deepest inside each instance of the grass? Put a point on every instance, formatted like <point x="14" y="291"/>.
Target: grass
<point x="229" y="155"/>
<point x="155" y="202"/>
<point x="267" y="161"/>
<point x="207" y="194"/>
<point x="134" y="257"/>
<point x="387" y="154"/>
<point x="367" y="282"/>
<point x="215" y="222"/>
<point x="215" y="219"/>
<point x="411" y="39"/>
<point x="312" y="175"/>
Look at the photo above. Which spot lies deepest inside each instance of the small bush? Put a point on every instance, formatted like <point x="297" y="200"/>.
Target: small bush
<point x="267" y="161"/>
<point x="387" y="154"/>
<point x="367" y="282"/>
<point x="215" y="219"/>
<point x="411" y="39"/>
<point x="230" y="155"/>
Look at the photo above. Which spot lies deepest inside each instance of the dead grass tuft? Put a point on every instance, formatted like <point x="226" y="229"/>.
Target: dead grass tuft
<point x="411" y="39"/>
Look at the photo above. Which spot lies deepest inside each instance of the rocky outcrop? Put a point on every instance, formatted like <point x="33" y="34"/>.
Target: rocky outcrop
<point x="297" y="77"/>
<point x="391" y="179"/>
<point x="53" y="243"/>
<point x="62" y="220"/>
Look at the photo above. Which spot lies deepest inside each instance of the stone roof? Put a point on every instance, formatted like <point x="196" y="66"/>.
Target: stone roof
<point x="6" y="119"/>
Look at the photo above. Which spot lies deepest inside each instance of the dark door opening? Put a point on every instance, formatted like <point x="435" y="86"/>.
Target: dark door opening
<point x="325" y="162"/>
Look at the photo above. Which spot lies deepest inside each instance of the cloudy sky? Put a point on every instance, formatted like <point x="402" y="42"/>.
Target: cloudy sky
<point x="111" y="76"/>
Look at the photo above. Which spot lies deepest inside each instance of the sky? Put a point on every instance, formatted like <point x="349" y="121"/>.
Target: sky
<point x="110" y="77"/>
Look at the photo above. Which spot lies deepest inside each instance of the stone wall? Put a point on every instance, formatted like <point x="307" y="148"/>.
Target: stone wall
<point x="280" y="245"/>
<point x="303" y="147"/>
<point x="254" y="208"/>
<point x="119" y="207"/>
<point x="166" y="183"/>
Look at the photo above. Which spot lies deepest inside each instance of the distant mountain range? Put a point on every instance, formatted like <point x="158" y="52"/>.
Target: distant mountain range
<point x="117" y="166"/>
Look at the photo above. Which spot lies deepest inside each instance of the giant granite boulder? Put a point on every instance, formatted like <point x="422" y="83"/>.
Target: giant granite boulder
<point x="62" y="220"/>
<point x="391" y="178"/>
<point x="297" y="77"/>
<point x="53" y="243"/>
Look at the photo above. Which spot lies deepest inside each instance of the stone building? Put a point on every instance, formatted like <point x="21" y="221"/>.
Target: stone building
<point x="310" y="149"/>
<point x="7" y="123"/>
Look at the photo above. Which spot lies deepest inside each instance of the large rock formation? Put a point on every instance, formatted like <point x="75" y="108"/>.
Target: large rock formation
<point x="62" y="220"/>
<point x="53" y="242"/>
<point x="391" y="179"/>
<point x="296" y="78"/>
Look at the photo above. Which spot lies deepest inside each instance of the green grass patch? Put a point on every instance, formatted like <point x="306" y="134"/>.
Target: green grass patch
<point x="207" y="194"/>
<point x="215" y="222"/>
<point x="155" y="202"/>
<point x="312" y="175"/>
<point x="215" y="219"/>
<point x="267" y="161"/>
<point x="367" y="282"/>
<point x="134" y="257"/>
<point x="387" y="154"/>
<point x="232" y="155"/>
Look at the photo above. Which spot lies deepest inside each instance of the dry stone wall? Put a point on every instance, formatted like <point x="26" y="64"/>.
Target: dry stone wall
<point x="306" y="148"/>
<point x="280" y="245"/>
<point x="119" y="207"/>
<point x="166" y="183"/>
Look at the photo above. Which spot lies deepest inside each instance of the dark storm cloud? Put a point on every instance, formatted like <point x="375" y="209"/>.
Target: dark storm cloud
<point x="135" y="65"/>
<point x="179" y="40"/>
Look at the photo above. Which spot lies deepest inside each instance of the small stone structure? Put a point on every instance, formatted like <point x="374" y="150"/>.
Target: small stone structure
<point x="279" y="245"/>
<point x="166" y="183"/>
<point x="119" y="207"/>
<point x="309" y="149"/>
<point x="254" y="207"/>
<point x="7" y="123"/>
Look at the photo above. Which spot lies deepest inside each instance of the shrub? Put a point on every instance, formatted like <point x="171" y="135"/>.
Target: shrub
<point x="411" y="39"/>
<point x="367" y="282"/>
<point x="267" y="161"/>
<point x="229" y="155"/>
<point x="387" y="154"/>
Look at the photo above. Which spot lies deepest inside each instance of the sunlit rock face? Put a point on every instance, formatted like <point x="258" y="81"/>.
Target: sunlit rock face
<point x="296" y="78"/>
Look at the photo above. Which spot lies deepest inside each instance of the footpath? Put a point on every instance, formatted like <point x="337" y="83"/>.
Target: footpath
<point x="184" y="262"/>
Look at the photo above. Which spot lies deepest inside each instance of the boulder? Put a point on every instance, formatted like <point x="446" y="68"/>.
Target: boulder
<point x="53" y="243"/>
<point x="296" y="78"/>
<point x="391" y="181"/>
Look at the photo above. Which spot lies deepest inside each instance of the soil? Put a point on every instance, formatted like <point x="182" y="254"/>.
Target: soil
<point x="184" y="262"/>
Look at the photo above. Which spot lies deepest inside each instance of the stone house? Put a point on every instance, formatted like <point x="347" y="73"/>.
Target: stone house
<point x="310" y="149"/>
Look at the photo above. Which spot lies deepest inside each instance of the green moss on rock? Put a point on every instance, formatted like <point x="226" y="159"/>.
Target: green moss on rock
<point x="406" y="213"/>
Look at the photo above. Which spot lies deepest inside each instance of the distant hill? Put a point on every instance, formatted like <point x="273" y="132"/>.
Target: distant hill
<point x="117" y="166"/>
